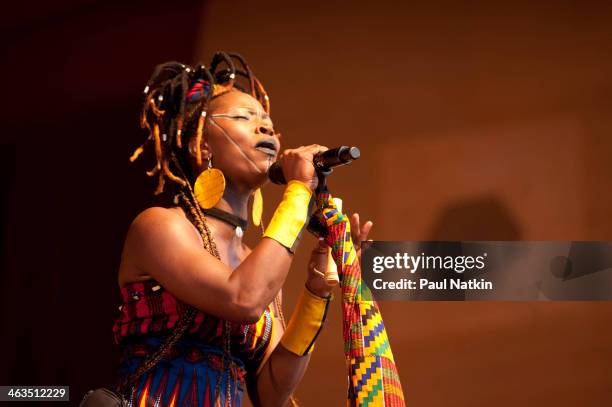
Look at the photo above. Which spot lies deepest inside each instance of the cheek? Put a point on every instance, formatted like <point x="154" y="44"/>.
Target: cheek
<point x="232" y="143"/>
<point x="242" y="133"/>
<point x="227" y="132"/>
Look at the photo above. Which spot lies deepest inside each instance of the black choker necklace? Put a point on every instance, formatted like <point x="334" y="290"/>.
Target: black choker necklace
<point x="236" y="221"/>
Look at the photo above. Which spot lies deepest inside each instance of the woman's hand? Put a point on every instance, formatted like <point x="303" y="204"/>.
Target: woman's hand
<point x="297" y="164"/>
<point x="317" y="266"/>
<point x="359" y="233"/>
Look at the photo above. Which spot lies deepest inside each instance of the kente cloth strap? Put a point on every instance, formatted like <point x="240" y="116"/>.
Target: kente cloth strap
<point x="373" y="377"/>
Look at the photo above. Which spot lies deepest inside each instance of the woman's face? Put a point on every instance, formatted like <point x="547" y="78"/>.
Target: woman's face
<point x="241" y="139"/>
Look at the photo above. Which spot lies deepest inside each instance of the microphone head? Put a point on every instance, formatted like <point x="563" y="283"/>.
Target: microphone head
<point x="354" y="153"/>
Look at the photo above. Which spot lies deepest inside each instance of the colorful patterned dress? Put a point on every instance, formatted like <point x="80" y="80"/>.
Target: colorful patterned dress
<point x="192" y="373"/>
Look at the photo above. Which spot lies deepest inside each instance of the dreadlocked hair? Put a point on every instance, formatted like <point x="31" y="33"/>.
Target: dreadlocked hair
<point x="175" y="107"/>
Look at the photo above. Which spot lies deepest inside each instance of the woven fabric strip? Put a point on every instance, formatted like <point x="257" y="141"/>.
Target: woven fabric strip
<point x="373" y="377"/>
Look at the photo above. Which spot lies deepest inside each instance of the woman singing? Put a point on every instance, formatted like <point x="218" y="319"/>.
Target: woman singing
<point x="189" y="285"/>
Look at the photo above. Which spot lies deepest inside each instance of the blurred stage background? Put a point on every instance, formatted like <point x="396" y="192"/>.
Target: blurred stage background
<point x="477" y="120"/>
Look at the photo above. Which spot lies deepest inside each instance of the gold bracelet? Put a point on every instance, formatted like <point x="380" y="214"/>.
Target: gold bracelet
<point x="306" y="323"/>
<point x="290" y="216"/>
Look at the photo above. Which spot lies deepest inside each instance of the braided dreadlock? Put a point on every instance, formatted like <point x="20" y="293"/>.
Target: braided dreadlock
<point x="176" y="101"/>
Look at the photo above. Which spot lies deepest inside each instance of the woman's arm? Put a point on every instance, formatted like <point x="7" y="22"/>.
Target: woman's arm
<point x="282" y="370"/>
<point x="164" y="245"/>
<point x="278" y="379"/>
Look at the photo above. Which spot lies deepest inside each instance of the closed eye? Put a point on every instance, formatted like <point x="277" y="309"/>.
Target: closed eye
<point x="232" y="116"/>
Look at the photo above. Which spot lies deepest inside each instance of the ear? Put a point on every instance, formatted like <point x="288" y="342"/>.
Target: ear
<point x="204" y="149"/>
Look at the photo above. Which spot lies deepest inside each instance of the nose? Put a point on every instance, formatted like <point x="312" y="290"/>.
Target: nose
<point x="267" y="130"/>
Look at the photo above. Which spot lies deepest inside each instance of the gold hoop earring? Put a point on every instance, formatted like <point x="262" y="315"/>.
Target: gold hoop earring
<point x="257" y="208"/>
<point x="209" y="186"/>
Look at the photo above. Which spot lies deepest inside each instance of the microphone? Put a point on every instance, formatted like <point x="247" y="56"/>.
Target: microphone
<point x="324" y="162"/>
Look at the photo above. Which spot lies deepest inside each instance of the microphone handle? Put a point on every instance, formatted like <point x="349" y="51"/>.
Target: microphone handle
<point x="323" y="162"/>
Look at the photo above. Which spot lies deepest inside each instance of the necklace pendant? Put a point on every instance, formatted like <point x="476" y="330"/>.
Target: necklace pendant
<point x="239" y="232"/>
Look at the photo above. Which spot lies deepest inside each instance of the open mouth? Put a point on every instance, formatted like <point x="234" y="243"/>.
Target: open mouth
<point x="269" y="147"/>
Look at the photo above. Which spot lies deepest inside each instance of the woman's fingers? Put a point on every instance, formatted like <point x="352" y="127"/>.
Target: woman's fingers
<point x="359" y="233"/>
<point x="355" y="231"/>
<point x="298" y="164"/>
<point x="315" y="149"/>
<point x="365" y="230"/>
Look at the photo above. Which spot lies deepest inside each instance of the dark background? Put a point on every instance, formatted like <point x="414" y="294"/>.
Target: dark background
<point x="476" y="120"/>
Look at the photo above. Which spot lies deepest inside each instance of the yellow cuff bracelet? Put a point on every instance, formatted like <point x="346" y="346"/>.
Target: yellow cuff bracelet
<point x="290" y="215"/>
<point x="306" y="323"/>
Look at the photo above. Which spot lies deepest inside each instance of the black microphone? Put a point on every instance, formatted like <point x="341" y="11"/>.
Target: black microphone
<point x="324" y="162"/>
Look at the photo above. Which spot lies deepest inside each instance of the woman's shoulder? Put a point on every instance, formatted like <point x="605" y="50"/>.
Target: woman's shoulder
<point x="158" y="221"/>
<point x="156" y="214"/>
<point x="167" y="226"/>
<point x="152" y="229"/>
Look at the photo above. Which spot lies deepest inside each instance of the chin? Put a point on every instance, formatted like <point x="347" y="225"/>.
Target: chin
<point x="261" y="179"/>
